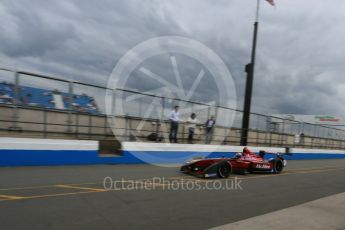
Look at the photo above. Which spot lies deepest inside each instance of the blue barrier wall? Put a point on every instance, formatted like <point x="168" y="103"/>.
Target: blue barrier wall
<point x="39" y="152"/>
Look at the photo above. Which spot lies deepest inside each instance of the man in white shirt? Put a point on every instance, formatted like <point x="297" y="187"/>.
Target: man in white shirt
<point x="174" y="119"/>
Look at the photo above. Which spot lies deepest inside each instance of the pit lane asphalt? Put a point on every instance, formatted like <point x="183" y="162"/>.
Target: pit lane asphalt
<point x="73" y="197"/>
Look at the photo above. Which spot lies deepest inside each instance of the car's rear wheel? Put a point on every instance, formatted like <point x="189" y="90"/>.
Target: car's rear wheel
<point x="224" y="170"/>
<point x="278" y="166"/>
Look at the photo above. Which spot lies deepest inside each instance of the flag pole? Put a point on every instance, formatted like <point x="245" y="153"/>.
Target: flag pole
<point x="249" y="69"/>
<point x="257" y="11"/>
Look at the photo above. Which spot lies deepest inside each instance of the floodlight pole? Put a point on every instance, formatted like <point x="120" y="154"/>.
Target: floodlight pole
<point x="249" y="69"/>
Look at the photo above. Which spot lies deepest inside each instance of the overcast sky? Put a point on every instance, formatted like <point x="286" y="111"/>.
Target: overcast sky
<point x="300" y="53"/>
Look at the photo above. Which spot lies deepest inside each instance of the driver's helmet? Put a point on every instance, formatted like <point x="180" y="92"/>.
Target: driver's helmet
<point x="246" y="150"/>
<point x="238" y="155"/>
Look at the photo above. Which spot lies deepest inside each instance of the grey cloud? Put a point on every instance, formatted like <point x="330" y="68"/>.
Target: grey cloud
<point x="34" y="33"/>
<point x="299" y="55"/>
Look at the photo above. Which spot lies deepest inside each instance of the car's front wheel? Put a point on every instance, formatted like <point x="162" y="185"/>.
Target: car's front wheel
<point x="278" y="166"/>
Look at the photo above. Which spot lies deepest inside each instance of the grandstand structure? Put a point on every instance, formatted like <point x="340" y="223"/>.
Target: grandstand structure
<point x="41" y="106"/>
<point x="35" y="97"/>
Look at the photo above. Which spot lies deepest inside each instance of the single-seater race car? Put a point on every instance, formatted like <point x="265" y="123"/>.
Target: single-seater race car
<point x="241" y="163"/>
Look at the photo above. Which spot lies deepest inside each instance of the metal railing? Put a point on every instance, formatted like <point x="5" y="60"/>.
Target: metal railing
<point x="129" y="106"/>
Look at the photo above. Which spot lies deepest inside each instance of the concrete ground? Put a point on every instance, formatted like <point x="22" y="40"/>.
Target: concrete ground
<point x="151" y="197"/>
<point x="325" y="213"/>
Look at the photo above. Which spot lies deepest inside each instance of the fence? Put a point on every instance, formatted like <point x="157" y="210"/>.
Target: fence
<point x="133" y="115"/>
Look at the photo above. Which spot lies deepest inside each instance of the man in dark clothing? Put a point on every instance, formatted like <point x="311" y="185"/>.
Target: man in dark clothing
<point x="209" y="129"/>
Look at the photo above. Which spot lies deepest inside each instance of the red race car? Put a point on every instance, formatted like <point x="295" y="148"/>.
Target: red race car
<point x="242" y="163"/>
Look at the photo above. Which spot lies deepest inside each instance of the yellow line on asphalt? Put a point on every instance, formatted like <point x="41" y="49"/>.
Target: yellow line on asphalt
<point x="78" y="187"/>
<point x="61" y="194"/>
<point x="50" y="195"/>
<point x="53" y="185"/>
<point x="44" y="186"/>
<point x="7" y="197"/>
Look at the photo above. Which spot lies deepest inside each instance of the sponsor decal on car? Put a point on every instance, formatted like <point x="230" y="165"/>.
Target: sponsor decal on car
<point x="262" y="166"/>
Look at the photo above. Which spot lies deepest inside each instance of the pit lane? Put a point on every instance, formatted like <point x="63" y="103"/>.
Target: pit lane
<point x="73" y="197"/>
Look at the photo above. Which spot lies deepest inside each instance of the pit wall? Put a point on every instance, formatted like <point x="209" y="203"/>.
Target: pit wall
<point x="37" y="123"/>
<point x="46" y="152"/>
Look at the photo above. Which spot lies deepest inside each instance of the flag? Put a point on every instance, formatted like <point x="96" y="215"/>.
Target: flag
<point x="271" y="2"/>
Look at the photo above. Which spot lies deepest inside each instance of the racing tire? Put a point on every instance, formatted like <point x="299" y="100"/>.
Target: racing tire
<point x="278" y="166"/>
<point x="224" y="170"/>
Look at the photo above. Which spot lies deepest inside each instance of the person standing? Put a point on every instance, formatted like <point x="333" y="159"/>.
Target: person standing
<point x="191" y="124"/>
<point x="209" y="129"/>
<point x="301" y="141"/>
<point x="174" y="120"/>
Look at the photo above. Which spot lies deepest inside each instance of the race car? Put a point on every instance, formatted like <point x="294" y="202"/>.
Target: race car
<point x="241" y="163"/>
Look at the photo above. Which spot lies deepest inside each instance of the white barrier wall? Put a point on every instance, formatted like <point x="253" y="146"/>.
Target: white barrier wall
<point x="31" y="151"/>
<point x="27" y="151"/>
<point x="46" y="144"/>
<point x="159" y="151"/>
